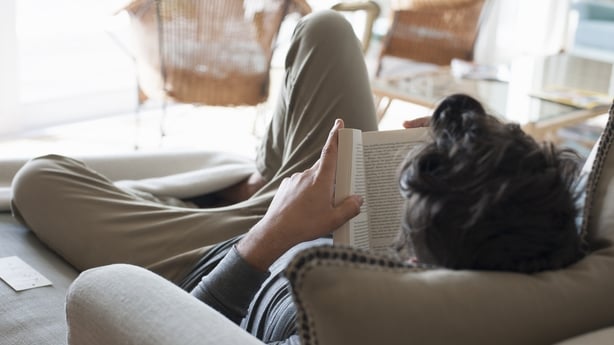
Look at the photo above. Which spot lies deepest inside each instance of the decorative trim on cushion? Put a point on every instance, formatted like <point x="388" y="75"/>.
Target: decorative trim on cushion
<point x="604" y="145"/>
<point x="338" y="256"/>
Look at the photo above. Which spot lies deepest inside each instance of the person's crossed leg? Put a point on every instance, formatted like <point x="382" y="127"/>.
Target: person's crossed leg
<point x="90" y="221"/>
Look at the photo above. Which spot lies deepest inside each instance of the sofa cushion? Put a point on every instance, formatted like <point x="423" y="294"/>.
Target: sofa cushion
<point x="347" y="296"/>
<point x="33" y="316"/>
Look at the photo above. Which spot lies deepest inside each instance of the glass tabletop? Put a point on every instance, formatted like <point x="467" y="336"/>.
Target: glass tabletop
<point x="514" y="100"/>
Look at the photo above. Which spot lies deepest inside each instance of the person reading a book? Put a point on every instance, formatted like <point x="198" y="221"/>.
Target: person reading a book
<point x="469" y="193"/>
<point x="481" y="195"/>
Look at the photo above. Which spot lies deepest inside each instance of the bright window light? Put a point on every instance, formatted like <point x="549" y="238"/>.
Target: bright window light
<point x="70" y="65"/>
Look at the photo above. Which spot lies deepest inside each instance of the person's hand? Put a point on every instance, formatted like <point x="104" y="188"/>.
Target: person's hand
<point x="418" y="122"/>
<point x="302" y="209"/>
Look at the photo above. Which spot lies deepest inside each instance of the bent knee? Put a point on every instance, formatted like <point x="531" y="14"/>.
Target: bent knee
<point x="33" y="178"/>
<point x="327" y="24"/>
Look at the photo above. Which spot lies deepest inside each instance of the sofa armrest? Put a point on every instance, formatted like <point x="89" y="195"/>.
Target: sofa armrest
<point x="124" y="304"/>
<point x="600" y="337"/>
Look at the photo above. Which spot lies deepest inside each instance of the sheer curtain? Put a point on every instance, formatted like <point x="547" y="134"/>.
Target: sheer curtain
<point x="9" y="112"/>
<point x="59" y="64"/>
<point x="517" y="28"/>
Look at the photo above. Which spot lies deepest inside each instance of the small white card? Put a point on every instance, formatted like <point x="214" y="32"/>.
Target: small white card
<point x="19" y="275"/>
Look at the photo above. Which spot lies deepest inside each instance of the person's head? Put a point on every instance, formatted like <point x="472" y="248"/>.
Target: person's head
<point x="484" y="195"/>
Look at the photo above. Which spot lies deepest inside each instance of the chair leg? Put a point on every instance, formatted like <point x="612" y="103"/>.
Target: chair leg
<point x="140" y="100"/>
<point x="163" y="119"/>
<point x="381" y="106"/>
<point x="137" y="126"/>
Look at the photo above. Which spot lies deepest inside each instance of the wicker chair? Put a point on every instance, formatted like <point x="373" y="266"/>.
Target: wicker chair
<point x="433" y="31"/>
<point x="428" y="31"/>
<point x="372" y="11"/>
<point x="206" y="52"/>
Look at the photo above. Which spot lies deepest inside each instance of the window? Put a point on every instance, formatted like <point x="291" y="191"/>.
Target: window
<point x="66" y="64"/>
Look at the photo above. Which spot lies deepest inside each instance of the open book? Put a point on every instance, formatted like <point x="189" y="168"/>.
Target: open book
<point x="368" y="165"/>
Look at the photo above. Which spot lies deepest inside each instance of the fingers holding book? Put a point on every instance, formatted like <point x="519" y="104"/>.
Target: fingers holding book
<point x="303" y="209"/>
<point x="418" y="122"/>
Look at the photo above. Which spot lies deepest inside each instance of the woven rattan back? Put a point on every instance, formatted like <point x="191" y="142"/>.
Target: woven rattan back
<point x="213" y="52"/>
<point x="434" y="31"/>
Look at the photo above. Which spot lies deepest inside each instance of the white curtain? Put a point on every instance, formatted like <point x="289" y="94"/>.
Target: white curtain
<point x="9" y="88"/>
<point x="517" y="28"/>
<point x="59" y="64"/>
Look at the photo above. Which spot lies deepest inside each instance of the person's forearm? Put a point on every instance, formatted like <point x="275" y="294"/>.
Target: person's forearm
<point x="303" y="209"/>
<point x="230" y="286"/>
<point x="264" y="244"/>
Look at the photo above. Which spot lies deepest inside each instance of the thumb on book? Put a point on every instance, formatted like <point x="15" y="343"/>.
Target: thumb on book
<point x="348" y="208"/>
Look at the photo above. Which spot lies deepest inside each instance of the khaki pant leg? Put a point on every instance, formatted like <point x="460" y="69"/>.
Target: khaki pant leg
<point x="90" y="222"/>
<point x="326" y="78"/>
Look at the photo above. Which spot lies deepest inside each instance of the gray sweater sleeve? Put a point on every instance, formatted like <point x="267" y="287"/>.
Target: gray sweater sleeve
<point x="230" y="286"/>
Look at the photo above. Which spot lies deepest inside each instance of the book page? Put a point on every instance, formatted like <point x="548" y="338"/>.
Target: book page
<point x="383" y="154"/>
<point x="350" y="181"/>
<point x="359" y="225"/>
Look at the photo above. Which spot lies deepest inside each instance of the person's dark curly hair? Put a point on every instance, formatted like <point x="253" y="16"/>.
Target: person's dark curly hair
<point x="485" y="195"/>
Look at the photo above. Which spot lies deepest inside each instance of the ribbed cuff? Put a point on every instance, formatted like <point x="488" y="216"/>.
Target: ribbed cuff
<point x="230" y="286"/>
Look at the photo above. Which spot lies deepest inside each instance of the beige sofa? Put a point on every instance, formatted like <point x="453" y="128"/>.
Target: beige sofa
<point x="344" y="296"/>
<point x="38" y="316"/>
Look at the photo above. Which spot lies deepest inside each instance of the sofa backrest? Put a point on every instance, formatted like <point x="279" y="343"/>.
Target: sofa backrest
<point x="347" y="296"/>
<point x="598" y="210"/>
